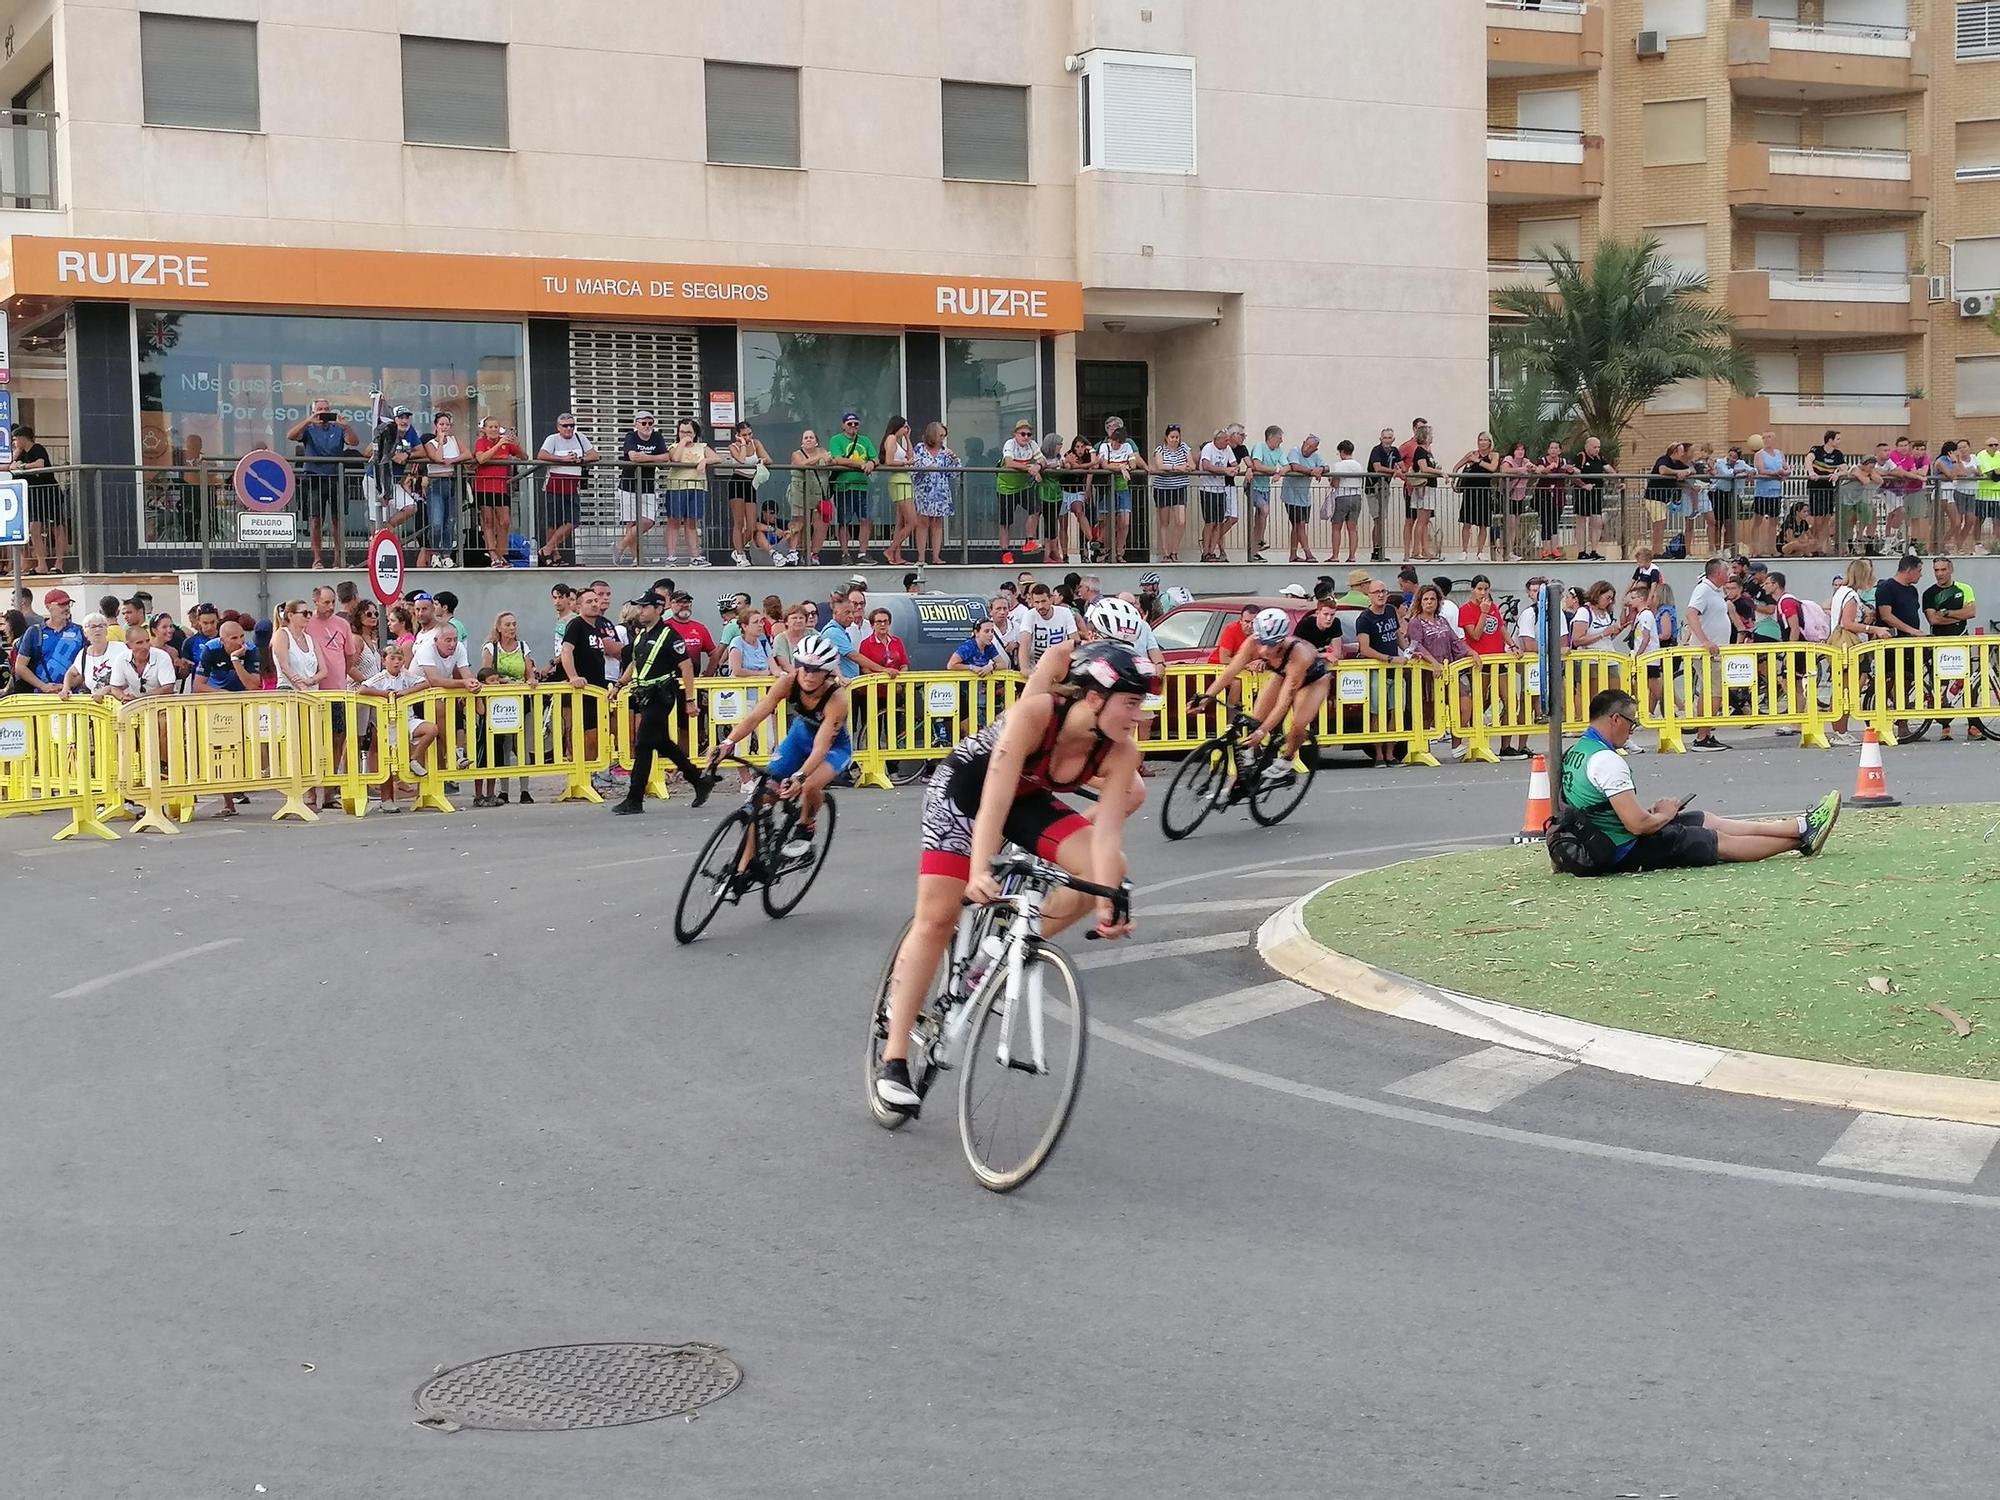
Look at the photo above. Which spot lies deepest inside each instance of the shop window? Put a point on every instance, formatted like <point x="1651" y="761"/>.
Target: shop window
<point x="753" y="115"/>
<point x="454" y="93"/>
<point x="989" y="385"/>
<point x="1138" y="112"/>
<point x="792" y="381"/>
<point x="985" y="131"/>
<point x="199" y="72"/>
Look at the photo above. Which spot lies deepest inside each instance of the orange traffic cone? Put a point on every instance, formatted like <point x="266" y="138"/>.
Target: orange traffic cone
<point x="1537" y="816"/>
<point x="1871" y="787"/>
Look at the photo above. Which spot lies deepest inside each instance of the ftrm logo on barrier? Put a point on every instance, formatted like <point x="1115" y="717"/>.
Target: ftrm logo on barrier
<point x="13" y="512"/>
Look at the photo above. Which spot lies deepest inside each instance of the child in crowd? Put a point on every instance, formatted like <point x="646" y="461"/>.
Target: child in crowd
<point x="394" y="678"/>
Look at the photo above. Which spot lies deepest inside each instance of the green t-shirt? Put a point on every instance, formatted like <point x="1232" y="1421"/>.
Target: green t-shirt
<point x="1989" y="475"/>
<point x="1014" y="481"/>
<point x="1592" y="774"/>
<point x="859" y="447"/>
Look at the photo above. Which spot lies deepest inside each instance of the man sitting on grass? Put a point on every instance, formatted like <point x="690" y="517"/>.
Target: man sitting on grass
<point x="1621" y="835"/>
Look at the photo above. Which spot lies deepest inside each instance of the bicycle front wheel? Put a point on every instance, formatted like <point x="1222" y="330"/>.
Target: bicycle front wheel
<point x="1200" y="784"/>
<point x="792" y="878"/>
<point x="708" y="883"/>
<point x="1272" y="802"/>
<point x="1011" y="1114"/>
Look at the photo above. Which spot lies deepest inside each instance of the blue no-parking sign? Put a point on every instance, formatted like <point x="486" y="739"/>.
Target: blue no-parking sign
<point x="13" y="512"/>
<point x="264" y="481"/>
<point x="6" y="419"/>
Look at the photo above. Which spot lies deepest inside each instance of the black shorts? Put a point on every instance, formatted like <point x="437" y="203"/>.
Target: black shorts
<point x="1684" y="844"/>
<point x="1162" y="498"/>
<point x="739" y="487"/>
<point x="319" y="495"/>
<point x="1589" y="500"/>
<point x="1819" y="502"/>
<point x="1767" y="506"/>
<point x="1214" y="507"/>
<point x="48" y="505"/>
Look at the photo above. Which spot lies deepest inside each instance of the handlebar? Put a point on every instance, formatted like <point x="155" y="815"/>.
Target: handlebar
<point x="1029" y="867"/>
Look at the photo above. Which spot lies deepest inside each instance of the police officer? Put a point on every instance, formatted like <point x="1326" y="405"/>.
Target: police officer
<point x="660" y="676"/>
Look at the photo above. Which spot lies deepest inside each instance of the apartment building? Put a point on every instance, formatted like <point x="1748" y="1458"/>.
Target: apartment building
<point x="1832" y="166"/>
<point x="212" y="211"/>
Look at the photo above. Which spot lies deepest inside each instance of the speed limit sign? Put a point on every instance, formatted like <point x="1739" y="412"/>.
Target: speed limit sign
<point x="385" y="567"/>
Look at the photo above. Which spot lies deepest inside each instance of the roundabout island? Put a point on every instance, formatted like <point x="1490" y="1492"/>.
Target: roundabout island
<point x="1882" y="954"/>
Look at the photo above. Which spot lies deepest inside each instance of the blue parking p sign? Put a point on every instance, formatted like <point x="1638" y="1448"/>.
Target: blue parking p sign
<point x="13" y="512"/>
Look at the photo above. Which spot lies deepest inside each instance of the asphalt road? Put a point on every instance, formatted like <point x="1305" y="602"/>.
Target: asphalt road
<point x="402" y="1093"/>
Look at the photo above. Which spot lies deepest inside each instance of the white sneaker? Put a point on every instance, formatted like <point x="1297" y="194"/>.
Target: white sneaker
<point x="1842" y="738"/>
<point x="1277" y="773"/>
<point x="739" y="559"/>
<point x="700" y="562"/>
<point x="796" y="849"/>
<point x="782" y="560"/>
<point x="1786" y="729"/>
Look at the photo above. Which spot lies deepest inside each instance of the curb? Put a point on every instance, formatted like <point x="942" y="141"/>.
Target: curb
<point x="1286" y="947"/>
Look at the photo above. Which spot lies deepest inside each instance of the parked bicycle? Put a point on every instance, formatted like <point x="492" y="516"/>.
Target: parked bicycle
<point x="748" y="851"/>
<point x="1018" y="1050"/>
<point x="1223" y="771"/>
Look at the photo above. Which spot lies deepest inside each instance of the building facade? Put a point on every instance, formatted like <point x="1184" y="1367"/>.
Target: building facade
<point x="980" y="211"/>
<point x="1833" y="166"/>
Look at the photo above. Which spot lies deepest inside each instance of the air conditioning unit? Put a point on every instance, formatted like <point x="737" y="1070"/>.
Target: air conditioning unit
<point x="1940" y="289"/>
<point x="1978" y="304"/>
<point x="1652" y="44"/>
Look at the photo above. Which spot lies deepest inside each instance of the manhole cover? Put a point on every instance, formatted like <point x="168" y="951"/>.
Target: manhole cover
<point x="578" y="1385"/>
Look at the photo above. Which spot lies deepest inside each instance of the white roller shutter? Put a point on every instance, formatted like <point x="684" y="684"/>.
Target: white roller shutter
<point x="1884" y="15"/>
<point x="1684" y="245"/>
<point x="1139" y="112"/>
<point x="1776" y="252"/>
<point x="1550" y="109"/>
<point x="614" y="371"/>
<point x="1884" y="250"/>
<point x="1975" y="265"/>
<point x="1674" y="17"/>
<point x="1877" y="129"/>
<point x="1978" y="386"/>
<point x="1564" y="236"/>
<point x="1777" y="374"/>
<point x="1881" y="373"/>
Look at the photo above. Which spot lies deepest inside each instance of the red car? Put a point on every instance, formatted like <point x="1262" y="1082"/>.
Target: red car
<point x="1191" y="632"/>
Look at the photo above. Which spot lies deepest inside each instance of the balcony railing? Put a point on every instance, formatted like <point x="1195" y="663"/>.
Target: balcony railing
<point x="1840" y="286"/>
<point x="1852" y="161"/>
<point x="1843" y="37"/>
<point x="28" y="158"/>
<point x="1528" y="143"/>
<point x="1545" y="7"/>
<point x="1835" y="407"/>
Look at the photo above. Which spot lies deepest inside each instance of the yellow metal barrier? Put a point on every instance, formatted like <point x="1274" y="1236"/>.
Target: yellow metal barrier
<point x="920" y="716"/>
<point x="1588" y="673"/>
<point x="503" y="732"/>
<point x="211" y="744"/>
<point x="1936" y="677"/>
<point x="1495" y="696"/>
<point x="58" y="756"/>
<point x="1762" y="685"/>
<point x="1384" y="703"/>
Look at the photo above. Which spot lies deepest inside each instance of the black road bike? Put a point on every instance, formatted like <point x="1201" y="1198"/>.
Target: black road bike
<point x="746" y="853"/>
<point x="1223" y="771"/>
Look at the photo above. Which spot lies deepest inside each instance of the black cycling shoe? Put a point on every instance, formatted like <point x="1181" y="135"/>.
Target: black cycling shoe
<point x="893" y="1086"/>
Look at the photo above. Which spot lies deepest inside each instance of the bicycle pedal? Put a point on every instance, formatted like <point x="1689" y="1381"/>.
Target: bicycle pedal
<point x="1025" y="1067"/>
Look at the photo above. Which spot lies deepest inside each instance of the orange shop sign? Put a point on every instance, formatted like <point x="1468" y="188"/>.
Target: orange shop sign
<point x="521" y="286"/>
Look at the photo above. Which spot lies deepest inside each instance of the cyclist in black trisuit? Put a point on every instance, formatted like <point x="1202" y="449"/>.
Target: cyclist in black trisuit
<point x="1300" y="682"/>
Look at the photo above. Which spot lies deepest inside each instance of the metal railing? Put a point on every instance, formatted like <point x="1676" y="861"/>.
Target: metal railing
<point x="1546" y="7"/>
<point x="1860" y="30"/>
<point x="28" y="158"/>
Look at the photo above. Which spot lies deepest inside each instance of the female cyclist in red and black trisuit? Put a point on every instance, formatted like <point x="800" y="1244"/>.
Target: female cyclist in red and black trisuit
<point x="1000" y="786"/>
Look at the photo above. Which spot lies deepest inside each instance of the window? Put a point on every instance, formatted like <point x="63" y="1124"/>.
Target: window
<point x="989" y="385"/>
<point x="1978" y="386"/>
<point x="1675" y="18"/>
<point x="1885" y="253"/>
<point x="1137" y="110"/>
<point x="454" y="93"/>
<point x="1775" y="10"/>
<point x="1776" y="251"/>
<point x="1683" y="395"/>
<point x="1875" y="15"/>
<point x="1979" y="28"/>
<point x="792" y="381"/>
<point x="1975" y="265"/>
<point x="1876" y="130"/>
<point x="199" y="72"/>
<point x="1550" y="109"/>
<point x="985" y="131"/>
<point x="1673" y="132"/>
<point x="1884" y="373"/>
<point x="1559" y="236"/>
<point x="753" y="115"/>
<point x="1684" y="245"/>
<point x="1777" y="374"/>
<point x="1978" y="150"/>
<point x="1769" y="129"/>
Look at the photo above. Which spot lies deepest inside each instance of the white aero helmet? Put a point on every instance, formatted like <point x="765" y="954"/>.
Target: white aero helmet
<point x="1174" y="595"/>
<point x="816" y="650"/>
<point x="1272" y="626"/>
<point x="1116" y="619"/>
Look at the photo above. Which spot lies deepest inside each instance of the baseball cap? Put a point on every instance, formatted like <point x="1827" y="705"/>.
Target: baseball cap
<point x="910" y="578"/>
<point x="1758" y="567"/>
<point x="569" y="417"/>
<point x="652" y="597"/>
<point x="402" y="411"/>
<point x="857" y="580"/>
<point x="849" y="416"/>
<point x="206" y="609"/>
<point x="420" y="595"/>
<point x="55" y="596"/>
<point x="1292" y="591"/>
<point x="642" y="416"/>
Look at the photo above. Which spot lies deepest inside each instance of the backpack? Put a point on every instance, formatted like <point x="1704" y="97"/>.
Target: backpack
<point x="1669" y="623"/>
<point x="1813" y="622"/>
<point x="1577" y="846"/>
<point x="1676" y="547"/>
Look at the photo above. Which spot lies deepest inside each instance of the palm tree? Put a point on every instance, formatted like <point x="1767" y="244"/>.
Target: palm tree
<point x="1526" y="411"/>
<point x="1618" y="331"/>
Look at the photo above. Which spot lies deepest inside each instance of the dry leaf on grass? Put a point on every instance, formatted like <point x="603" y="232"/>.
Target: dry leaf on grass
<point x="1959" y="1025"/>
<point x="1881" y="984"/>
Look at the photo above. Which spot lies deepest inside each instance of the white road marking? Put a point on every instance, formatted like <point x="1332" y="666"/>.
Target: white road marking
<point x="1220" y="1012"/>
<point x="644" y="859"/>
<point x="1899" y="1146"/>
<point x="1322" y="855"/>
<point x="1201" y="908"/>
<point x="105" y="981"/>
<point x="1113" y="955"/>
<point x="1486" y="1130"/>
<point x="1481" y="1081"/>
<point x="1304" y="872"/>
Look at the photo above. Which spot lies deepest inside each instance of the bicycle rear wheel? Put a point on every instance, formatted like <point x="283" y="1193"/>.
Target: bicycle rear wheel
<point x="1200" y="783"/>
<point x="792" y="878"/>
<point x="878" y="1033"/>
<point x="1273" y="802"/>
<point x="1010" y="1118"/>
<point x="707" y="885"/>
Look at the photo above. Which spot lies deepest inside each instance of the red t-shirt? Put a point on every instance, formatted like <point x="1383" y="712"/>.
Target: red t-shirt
<point x="491" y="478"/>
<point x="1494" y="642"/>
<point x="889" y="653"/>
<point x="1233" y="635"/>
<point x="1789" y="612"/>
<point x="695" y="635"/>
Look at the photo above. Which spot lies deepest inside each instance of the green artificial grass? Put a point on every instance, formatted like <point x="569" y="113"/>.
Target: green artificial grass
<point x="1772" y="957"/>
